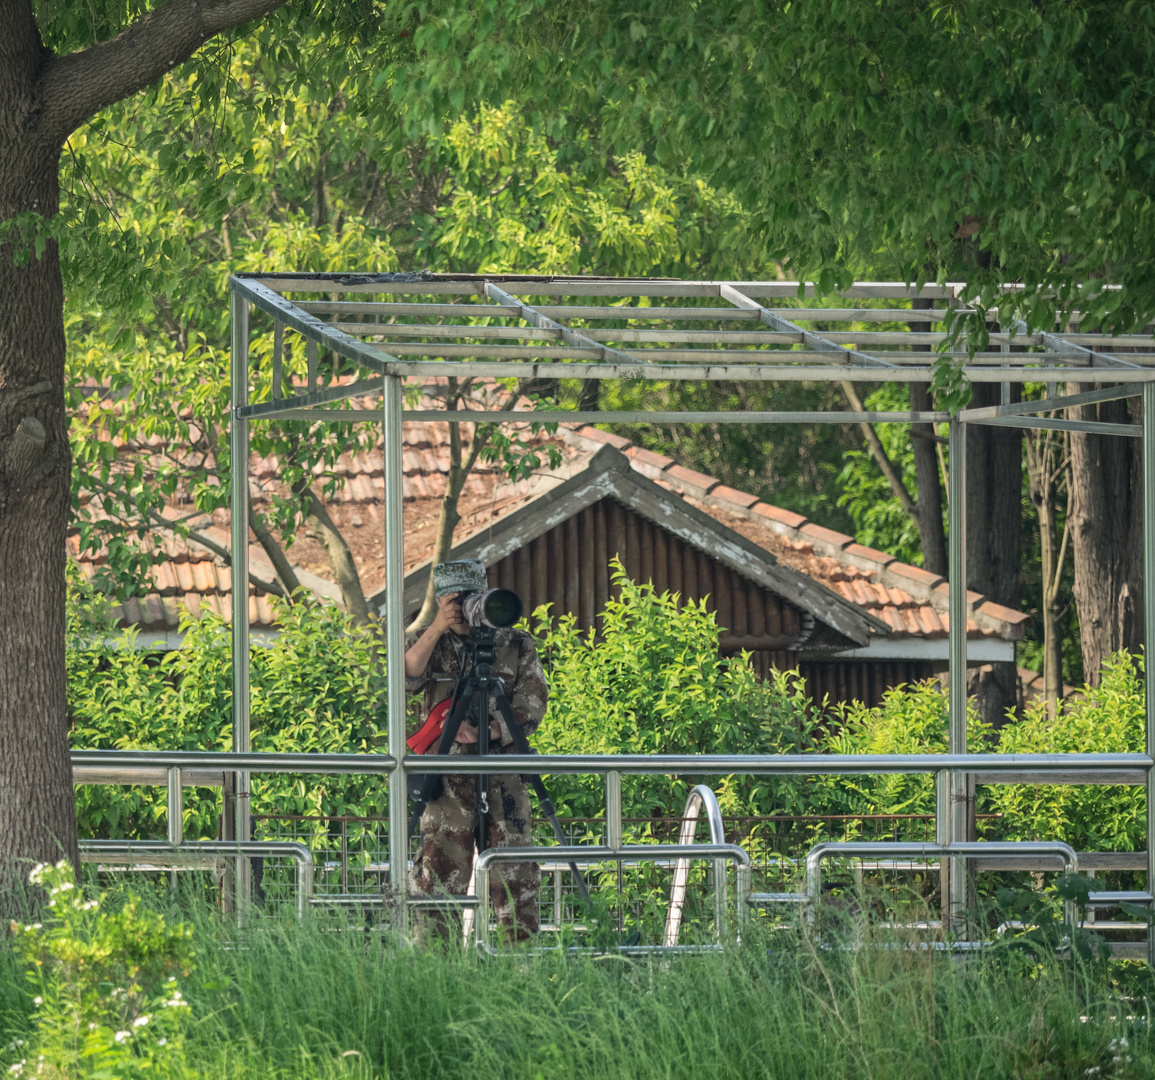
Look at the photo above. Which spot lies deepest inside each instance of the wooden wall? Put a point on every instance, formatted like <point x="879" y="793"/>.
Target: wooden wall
<point x="860" y="680"/>
<point x="568" y="567"/>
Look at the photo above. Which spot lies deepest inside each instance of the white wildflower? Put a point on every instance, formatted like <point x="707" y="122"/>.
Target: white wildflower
<point x="162" y="1042"/>
<point x="140" y="1021"/>
<point x="17" y="1069"/>
<point x="38" y="1000"/>
<point x="91" y="1027"/>
<point x="120" y="1036"/>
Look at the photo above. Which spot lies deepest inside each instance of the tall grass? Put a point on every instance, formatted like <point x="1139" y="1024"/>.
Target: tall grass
<point x="300" y="999"/>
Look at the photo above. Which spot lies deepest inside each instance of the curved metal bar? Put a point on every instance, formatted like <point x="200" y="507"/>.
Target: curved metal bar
<point x="153" y="851"/>
<point x="993" y="849"/>
<point x="627" y="853"/>
<point x="701" y="796"/>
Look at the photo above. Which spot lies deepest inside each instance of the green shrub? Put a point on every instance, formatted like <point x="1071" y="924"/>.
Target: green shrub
<point x="912" y="719"/>
<point x="1108" y="718"/>
<point x="317" y="687"/>
<point x="102" y="983"/>
<point x="654" y="684"/>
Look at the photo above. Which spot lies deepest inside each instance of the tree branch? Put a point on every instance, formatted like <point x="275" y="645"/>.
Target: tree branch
<point x="206" y="542"/>
<point x="879" y="454"/>
<point x="77" y="86"/>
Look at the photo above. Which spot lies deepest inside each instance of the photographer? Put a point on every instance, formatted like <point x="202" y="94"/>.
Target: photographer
<point x="449" y="825"/>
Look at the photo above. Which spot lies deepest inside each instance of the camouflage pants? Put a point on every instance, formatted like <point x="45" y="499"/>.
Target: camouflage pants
<point x="448" y="840"/>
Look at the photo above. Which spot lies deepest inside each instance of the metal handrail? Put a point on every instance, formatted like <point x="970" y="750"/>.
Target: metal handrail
<point x="991" y="849"/>
<point x="634" y="764"/>
<point x="633" y="853"/>
<point x="135" y="852"/>
<point x="701" y="796"/>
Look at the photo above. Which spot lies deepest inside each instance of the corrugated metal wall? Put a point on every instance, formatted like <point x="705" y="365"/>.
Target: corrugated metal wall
<point x="568" y="567"/>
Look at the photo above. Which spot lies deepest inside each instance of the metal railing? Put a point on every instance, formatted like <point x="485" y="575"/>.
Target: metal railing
<point x="105" y="766"/>
<point x="633" y="853"/>
<point x="162" y="853"/>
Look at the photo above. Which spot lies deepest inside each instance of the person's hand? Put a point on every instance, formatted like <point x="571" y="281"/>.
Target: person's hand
<point x="448" y="617"/>
<point x="467" y="733"/>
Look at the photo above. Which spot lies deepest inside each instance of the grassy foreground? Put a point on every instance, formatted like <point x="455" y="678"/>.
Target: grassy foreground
<point x="288" y="999"/>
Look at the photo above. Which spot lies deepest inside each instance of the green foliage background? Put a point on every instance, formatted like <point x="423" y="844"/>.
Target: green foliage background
<point x="652" y="683"/>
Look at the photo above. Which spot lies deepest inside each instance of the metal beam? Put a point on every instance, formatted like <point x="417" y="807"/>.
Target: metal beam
<point x="1059" y="765"/>
<point x="310" y="327"/>
<point x="1091" y="427"/>
<point x="957" y="662"/>
<point x="776" y="322"/>
<point x="746" y="372"/>
<point x="563" y="416"/>
<point x="1056" y="341"/>
<point x="395" y="649"/>
<point x="239" y="474"/>
<point x="1026" y="408"/>
<point x="1149" y="637"/>
<point x="536" y="319"/>
<point x="266" y="409"/>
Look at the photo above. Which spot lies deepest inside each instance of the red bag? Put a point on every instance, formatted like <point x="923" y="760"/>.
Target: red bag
<point x="431" y="730"/>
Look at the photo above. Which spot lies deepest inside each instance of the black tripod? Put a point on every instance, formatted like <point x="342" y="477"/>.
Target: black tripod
<point x="476" y="685"/>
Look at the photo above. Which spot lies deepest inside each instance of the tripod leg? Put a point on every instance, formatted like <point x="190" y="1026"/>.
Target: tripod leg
<point x="538" y="785"/>
<point x="427" y="791"/>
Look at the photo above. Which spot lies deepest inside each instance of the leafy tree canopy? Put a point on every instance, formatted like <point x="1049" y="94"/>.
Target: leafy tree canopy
<point x="995" y="143"/>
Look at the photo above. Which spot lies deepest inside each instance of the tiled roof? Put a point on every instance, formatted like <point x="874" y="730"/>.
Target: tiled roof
<point x="908" y="599"/>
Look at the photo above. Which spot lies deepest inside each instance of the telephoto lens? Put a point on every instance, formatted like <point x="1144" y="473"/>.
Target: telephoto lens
<point x="493" y="608"/>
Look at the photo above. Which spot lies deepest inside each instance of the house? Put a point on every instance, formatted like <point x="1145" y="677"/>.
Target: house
<point x="791" y="592"/>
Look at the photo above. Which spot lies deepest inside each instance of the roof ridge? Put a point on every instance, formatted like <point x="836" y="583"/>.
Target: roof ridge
<point x="921" y="584"/>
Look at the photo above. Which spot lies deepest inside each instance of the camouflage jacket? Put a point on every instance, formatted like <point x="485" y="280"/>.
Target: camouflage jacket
<point x="517" y="665"/>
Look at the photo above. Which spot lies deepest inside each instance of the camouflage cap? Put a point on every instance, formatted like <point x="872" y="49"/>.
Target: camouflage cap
<point x="459" y="576"/>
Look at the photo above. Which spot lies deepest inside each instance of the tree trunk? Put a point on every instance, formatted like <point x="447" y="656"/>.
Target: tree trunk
<point x="929" y="484"/>
<point x="37" y="804"/>
<point x="1106" y="515"/>
<point x="927" y="477"/>
<point x="994" y="493"/>
<point x="1046" y="467"/>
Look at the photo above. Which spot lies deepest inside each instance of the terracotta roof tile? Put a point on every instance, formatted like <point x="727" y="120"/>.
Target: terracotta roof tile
<point x="729" y="494"/>
<point x="861" y="552"/>
<point x="910" y="621"/>
<point x="616" y="441"/>
<point x="184" y="576"/>
<point x="899" y="598"/>
<point x="646" y="457"/>
<point x="189" y="576"/>
<point x="776" y="513"/>
<point x="204" y="576"/>
<point x="928" y="618"/>
<point x="827" y="536"/>
<point x="893" y="616"/>
<point x="914" y="573"/>
<point x="864" y="595"/>
<point x="1006" y="614"/>
<point x="693" y="479"/>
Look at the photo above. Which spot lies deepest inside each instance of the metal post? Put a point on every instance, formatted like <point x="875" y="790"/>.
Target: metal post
<point x="175" y="807"/>
<point x="395" y="651"/>
<point x="239" y="468"/>
<point x="614" y="828"/>
<point x="957" y="543"/>
<point x="1149" y="634"/>
<point x="942" y="823"/>
<point x="613" y="809"/>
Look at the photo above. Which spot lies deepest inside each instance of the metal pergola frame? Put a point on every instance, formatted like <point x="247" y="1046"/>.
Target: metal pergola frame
<point x="431" y="332"/>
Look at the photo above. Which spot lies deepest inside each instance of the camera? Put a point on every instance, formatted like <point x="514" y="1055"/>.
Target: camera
<point x="481" y="607"/>
<point x="494" y="609"/>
